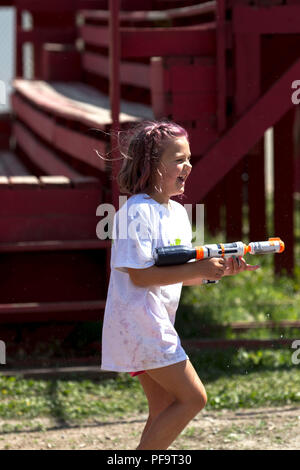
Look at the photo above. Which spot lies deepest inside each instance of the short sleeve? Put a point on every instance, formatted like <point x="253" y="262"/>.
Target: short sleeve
<point x="132" y="239"/>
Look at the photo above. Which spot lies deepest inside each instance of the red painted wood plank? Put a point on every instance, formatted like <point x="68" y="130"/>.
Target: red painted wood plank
<point x="16" y="228"/>
<point x="135" y="74"/>
<point x="154" y="15"/>
<point x="95" y="35"/>
<point x="96" y="115"/>
<point x="80" y="146"/>
<point x="189" y="78"/>
<point x="74" y="143"/>
<point x="149" y="42"/>
<point x="213" y="203"/>
<point x="247" y="71"/>
<point x="233" y="199"/>
<point x="55" y="6"/>
<point x="221" y="65"/>
<point x="43" y="202"/>
<point x="159" y="75"/>
<point x="46" y="160"/>
<point x="57" y="245"/>
<point x="47" y="283"/>
<point x="37" y="121"/>
<point x="242" y="136"/>
<point x="96" y="63"/>
<point x="50" y="311"/>
<point x="191" y="105"/>
<point x="130" y="73"/>
<point x="159" y="86"/>
<point x="248" y="89"/>
<point x="275" y="20"/>
<point x="60" y="62"/>
<point x="40" y="36"/>
<point x="203" y="134"/>
<point x="257" y="193"/>
<point x="48" y="307"/>
<point x="44" y="97"/>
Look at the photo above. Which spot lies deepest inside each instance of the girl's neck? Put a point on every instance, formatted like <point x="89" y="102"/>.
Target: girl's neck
<point x="159" y="197"/>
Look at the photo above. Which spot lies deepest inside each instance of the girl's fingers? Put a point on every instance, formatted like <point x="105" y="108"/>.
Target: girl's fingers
<point x="237" y="264"/>
<point x="250" y="267"/>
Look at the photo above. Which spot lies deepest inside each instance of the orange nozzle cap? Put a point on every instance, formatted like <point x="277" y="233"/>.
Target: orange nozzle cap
<point x="281" y="243"/>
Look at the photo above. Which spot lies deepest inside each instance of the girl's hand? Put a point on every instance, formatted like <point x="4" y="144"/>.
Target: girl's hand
<point x="211" y="268"/>
<point x="236" y="265"/>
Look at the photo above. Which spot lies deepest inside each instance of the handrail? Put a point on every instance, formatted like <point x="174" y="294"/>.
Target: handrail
<point x="155" y="15"/>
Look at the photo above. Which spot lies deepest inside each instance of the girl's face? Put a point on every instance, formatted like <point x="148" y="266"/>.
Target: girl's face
<point x="174" y="167"/>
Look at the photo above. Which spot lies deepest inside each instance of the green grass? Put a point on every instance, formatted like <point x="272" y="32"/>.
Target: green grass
<point x="233" y="379"/>
<point x="249" y="296"/>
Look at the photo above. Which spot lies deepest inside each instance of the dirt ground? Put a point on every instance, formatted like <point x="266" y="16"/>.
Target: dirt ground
<point x="262" y="428"/>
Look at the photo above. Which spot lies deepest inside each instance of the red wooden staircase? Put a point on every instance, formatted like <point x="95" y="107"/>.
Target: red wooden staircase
<point x="211" y="67"/>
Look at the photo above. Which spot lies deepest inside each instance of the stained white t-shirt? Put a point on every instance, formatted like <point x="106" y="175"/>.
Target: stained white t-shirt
<point x="138" y="328"/>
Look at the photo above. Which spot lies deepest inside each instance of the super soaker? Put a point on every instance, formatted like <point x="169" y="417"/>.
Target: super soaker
<point x="179" y="254"/>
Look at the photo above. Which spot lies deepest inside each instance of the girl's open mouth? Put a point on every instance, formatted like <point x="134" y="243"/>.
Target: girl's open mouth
<point x="181" y="179"/>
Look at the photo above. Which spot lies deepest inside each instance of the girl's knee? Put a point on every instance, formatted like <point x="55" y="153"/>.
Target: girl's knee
<point x="156" y="408"/>
<point x="198" y="401"/>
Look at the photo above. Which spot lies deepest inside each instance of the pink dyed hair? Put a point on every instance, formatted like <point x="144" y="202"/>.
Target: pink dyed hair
<point x="142" y="149"/>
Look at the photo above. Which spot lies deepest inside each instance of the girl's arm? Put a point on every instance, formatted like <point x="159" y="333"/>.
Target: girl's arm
<point x="194" y="282"/>
<point x="212" y="268"/>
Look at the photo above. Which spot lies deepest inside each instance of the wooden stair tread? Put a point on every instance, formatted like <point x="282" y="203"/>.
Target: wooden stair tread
<point x="79" y="102"/>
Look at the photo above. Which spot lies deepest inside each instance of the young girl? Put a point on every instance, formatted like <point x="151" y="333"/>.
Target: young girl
<point x="138" y="330"/>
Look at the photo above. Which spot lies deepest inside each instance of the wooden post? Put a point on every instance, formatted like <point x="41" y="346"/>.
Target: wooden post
<point x="233" y="185"/>
<point x="114" y="92"/>
<point x="248" y="89"/>
<point x="221" y="66"/>
<point x="284" y="191"/>
<point x="214" y="201"/>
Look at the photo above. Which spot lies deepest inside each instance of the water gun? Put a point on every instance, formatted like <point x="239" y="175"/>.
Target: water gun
<point x="180" y="254"/>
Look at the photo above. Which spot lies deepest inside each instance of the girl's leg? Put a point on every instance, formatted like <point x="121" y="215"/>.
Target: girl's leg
<point x="158" y="398"/>
<point x="181" y="381"/>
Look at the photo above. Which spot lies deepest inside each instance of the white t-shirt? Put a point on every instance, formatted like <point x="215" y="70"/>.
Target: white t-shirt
<point x="138" y="328"/>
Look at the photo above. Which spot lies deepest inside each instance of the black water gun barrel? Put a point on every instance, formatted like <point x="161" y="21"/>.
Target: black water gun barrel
<point x="170" y="255"/>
